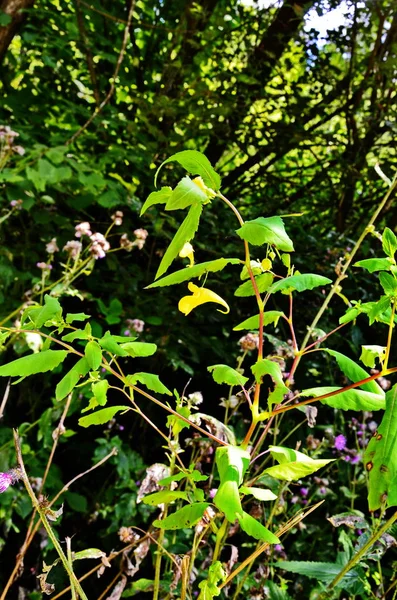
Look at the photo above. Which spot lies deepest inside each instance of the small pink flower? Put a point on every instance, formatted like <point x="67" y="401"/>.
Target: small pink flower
<point x="83" y="229"/>
<point x="43" y="266"/>
<point x="52" y="247"/>
<point x="141" y="234"/>
<point x="73" y="248"/>
<point x="117" y="218"/>
<point x="126" y="243"/>
<point x="137" y="325"/>
<point x="99" y="245"/>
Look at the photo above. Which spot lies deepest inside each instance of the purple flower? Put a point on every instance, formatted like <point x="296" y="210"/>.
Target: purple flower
<point x="304" y="491"/>
<point x="277" y="548"/>
<point x="5" y="481"/>
<point x="340" y="442"/>
<point x="9" y="478"/>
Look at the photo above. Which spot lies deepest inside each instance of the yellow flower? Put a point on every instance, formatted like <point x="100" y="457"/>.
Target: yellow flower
<point x="187" y="252"/>
<point x="201" y="295"/>
<point x="200" y="183"/>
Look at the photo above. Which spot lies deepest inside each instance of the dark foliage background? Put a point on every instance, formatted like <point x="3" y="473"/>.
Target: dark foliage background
<point x="101" y="92"/>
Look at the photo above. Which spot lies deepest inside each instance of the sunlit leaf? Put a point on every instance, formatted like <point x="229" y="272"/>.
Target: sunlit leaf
<point x="195" y="163"/>
<point x="196" y="271"/>
<point x="40" y="362"/>
<point x="185" y="517"/>
<point x="100" y="417"/>
<point x="225" y="374"/>
<point x="266" y="231"/>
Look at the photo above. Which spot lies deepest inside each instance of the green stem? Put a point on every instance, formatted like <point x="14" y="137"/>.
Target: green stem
<point x="70" y="560"/>
<point x="360" y="554"/>
<point x="219" y="540"/>
<point x="390" y="335"/>
<point x="41" y="512"/>
<point x="368" y="229"/>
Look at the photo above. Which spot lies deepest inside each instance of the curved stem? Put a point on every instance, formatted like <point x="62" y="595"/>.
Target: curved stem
<point x="360" y="554"/>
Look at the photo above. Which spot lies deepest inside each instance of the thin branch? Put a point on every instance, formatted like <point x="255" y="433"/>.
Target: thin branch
<point x="112" y="88"/>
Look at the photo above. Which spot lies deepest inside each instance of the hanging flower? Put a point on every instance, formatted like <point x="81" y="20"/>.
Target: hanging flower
<point x="187" y="252"/>
<point x="9" y="478"/>
<point x="200" y="295"/>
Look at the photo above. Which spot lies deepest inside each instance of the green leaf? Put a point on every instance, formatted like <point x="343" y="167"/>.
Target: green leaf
<point x="232" y="463"/>
<point x="354" y="372"/>
<point x="88" y="553"/>
<point x="185" y="517"/>
<point x="380" y="458"/>
<point x="108" y="342"/>
<point x="266" y="231"/>
<point x="135" y="349"/>
<point x="322" y="571"/>
<point x="184" y="234"/>
<point x="388" y="283"/>
<point x="164" y="497"/>
<point x="268" y="367"/>
<point x="5" y="19"/>
<point x="187" y="273"/>
<point x="185" y="194"/>
<point x="138" y="586"/>
<point x="369" y="354"/>
<point x="374" y="264"/>
<point x="299" y="283"/>
<point x="293" y="464"/>
<point x="51" y="309"/>
<point x="100" y="417"/>
<point x="271" y="316"/>
<point x="99" y="389"/>
<point x="258" y="493"/>
<point x="93" y="354"/>
<point x="71" y="317"/>
<point x="209" y="588"/>
<point x="354" y="399"/>
<point x="225" y="374"/>
<point x="77" y="502"/>
<point x="71" y="379"/>
<point x="152" y="382"/>
<point x="227" y="499"/>
<point x="195" y="163"/>
<point x="389" y="242"/>
<point x="263" y="282"/>
<point x="193" y="475"/>
<point x="351" y="314"/>
<point x="378" y="308"/>
<point x="79" y="334"/>
<point x="160" y="197"/>
<point x="256" y="529"/>
<point x="40" y="362"/>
